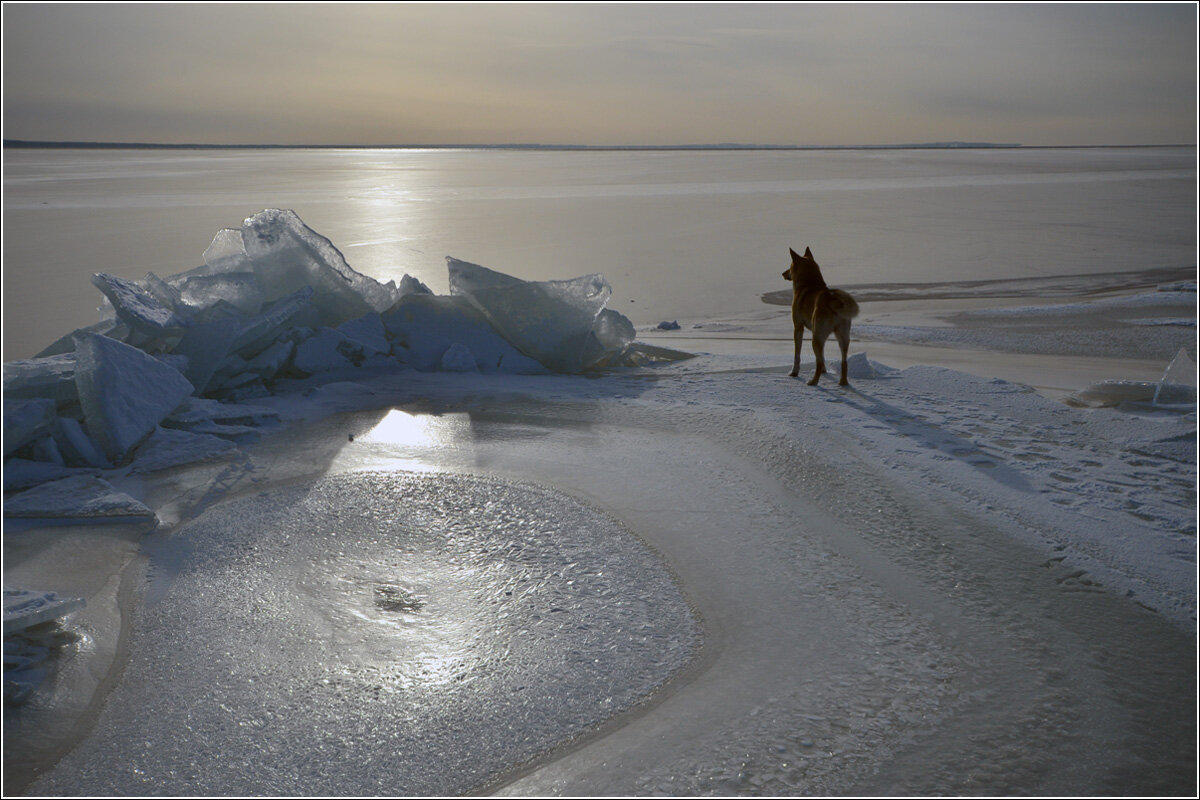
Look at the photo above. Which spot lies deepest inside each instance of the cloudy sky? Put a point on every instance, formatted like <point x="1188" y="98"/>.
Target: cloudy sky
<point x="567" y="73"/>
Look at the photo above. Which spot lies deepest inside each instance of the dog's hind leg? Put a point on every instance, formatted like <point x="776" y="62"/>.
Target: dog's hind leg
<point x="798" y="338"/>
<point x="842" y="332"/>
<point x="819" y="351"/>
<point x="820" y="333"/>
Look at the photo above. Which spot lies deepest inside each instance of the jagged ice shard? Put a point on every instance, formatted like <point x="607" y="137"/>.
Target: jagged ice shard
<point x="424" y="327"/>
<point x="124" y="393"/>
<point x="287" y="255"/>
<point x="147" y="317"/>
<point x="24" y="608"/>
<point x="1178" y="384"/>
<point x="78" y="497"/>
<point x="562" y="324"/>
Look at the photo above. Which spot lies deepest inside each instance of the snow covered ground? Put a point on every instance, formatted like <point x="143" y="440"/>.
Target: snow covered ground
<point x="688" y="577"/>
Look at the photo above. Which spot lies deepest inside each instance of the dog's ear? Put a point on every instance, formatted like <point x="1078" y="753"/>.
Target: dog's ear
<point x="807" y="253"/>
<point x="793" y="252"/>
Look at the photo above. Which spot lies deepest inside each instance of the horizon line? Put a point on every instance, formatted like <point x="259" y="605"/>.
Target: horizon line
<point x="492" y="145"/>
<point x="503" y="145"/>
<point x="946" y="145"/>
<point x="943" y="145"/>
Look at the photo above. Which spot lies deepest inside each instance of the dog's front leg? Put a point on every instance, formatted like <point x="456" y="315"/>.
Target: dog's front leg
<point x="798" y="338"/>
<point x="796" y="359"/>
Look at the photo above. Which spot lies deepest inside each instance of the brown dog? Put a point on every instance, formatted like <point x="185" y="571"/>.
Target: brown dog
<point x="820" y="309"/>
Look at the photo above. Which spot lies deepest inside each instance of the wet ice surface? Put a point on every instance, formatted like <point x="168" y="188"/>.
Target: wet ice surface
<point x="381" y="633"/>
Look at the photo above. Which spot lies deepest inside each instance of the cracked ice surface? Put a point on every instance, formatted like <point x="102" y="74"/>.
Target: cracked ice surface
<point x="531" y="618"/>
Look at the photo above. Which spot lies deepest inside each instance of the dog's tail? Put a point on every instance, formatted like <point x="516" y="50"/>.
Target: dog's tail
<point x="842" y="304"/>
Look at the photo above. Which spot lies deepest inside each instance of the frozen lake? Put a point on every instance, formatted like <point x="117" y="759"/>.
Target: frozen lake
<point x="680" y="235"/>
<point x="898" y="595"/>
<point x="681" y="578"/>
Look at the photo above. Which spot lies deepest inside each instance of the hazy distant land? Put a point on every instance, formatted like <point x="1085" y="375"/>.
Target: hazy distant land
<point x="24" y="143"/>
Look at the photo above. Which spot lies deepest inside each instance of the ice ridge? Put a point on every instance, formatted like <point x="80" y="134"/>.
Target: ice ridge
<point x="273" y="301"/>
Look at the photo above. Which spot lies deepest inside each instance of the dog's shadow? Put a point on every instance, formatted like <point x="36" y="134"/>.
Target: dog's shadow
<point x="930" y="436"/>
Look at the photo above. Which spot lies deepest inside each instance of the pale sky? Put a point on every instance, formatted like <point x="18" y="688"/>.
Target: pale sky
<point x="444" y="73"/>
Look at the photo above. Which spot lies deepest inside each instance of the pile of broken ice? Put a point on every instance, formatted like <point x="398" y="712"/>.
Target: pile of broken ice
<point x="170" y="375"/>
<point x="31" y="635"/>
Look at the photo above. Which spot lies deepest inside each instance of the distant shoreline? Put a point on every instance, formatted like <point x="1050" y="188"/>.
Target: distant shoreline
<point x="65" y="145"/>
<point x="26" y="144"/>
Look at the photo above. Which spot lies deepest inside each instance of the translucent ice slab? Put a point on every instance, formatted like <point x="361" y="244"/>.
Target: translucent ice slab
<point x="24" y="608"/>
<point x="287" y="255"/>
<point x="562" y="324"/>
<point x="241" y="289"/>
<point x="148" y="318"/>
<point x="170" y="447"/>
<point x="25" y="420"/>
<point x="1178" y="384"/>
<point x="50" y="376"/>
<point x="425" y="326"/>
<point x="124" y="393"/>
<point x="80" y="497"/>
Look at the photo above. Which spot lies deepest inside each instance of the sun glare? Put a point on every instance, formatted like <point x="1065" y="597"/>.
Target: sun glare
<point x="404" y="441"/>
<point x="403" y="429"/>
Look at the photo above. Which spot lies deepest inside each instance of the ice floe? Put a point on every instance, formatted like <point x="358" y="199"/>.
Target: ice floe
<point x="24" y="608"/>
<point x="30" y="637"/>
<point x="81" y="498"/>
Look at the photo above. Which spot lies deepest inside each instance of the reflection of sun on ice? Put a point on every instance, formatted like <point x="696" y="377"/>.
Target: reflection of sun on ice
<point x="403" y="441"/>
<point x="404" y="429"/>
<point x="439" y="669"/>
<point x="391" y="619"/>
